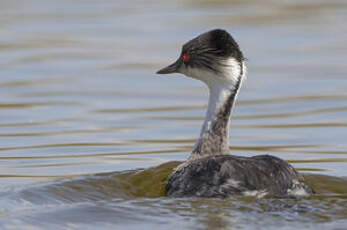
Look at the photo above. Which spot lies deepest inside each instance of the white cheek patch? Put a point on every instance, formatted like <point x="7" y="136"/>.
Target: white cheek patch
<point x="230" y="73"/>
<point x="201" y="74"/>
<point x="232" y="70"/>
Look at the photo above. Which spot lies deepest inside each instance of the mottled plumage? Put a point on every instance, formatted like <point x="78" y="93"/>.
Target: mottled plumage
<point x="227" y="175"/>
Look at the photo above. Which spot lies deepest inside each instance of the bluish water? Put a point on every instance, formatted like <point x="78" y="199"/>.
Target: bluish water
<point x="83" y="116"/>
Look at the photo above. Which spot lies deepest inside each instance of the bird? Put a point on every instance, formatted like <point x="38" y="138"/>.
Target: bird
<point x="214" y="58"/>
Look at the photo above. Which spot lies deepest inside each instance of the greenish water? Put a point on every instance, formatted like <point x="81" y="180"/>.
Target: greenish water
<point x="89" y="133"/>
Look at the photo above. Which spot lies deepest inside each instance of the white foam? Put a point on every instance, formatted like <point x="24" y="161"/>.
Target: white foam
<point x="255" y="193"/>
<point x="297" y="189"/>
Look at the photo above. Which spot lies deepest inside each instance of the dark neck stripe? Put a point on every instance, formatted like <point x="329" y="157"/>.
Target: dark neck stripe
<point x="215" y="140"/>
<point x="226" y="110"/>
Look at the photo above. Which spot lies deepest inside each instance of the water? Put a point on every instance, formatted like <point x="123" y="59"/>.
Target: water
<point x="88" y="132"/>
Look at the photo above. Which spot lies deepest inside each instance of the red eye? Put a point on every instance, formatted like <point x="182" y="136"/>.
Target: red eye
<point x="185" y="58"/>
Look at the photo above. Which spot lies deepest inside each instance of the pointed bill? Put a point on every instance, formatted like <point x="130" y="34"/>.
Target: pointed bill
<point x="173" y="68"/>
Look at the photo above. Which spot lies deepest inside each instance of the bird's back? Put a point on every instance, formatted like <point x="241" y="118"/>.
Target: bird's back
<point x="228" y="175"/>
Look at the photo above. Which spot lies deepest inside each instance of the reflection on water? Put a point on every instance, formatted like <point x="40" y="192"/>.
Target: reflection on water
<point x="135" y="196"/>
<point x="82" y="112"/>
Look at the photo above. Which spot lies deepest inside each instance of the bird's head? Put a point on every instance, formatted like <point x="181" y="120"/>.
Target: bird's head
<point x="212" y="57"/>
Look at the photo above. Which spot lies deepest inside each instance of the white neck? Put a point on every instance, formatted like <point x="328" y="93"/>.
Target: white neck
<point x="218" y="96"/>
<point x="214" y="135"/>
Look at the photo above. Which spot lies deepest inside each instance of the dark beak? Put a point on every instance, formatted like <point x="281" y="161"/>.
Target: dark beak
<point x="173" y="68"/>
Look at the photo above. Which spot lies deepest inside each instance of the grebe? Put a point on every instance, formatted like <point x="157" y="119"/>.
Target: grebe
<point x="214" y="57"/>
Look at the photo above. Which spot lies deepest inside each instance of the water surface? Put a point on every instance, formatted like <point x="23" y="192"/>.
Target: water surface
<point x="89" y="133"/>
